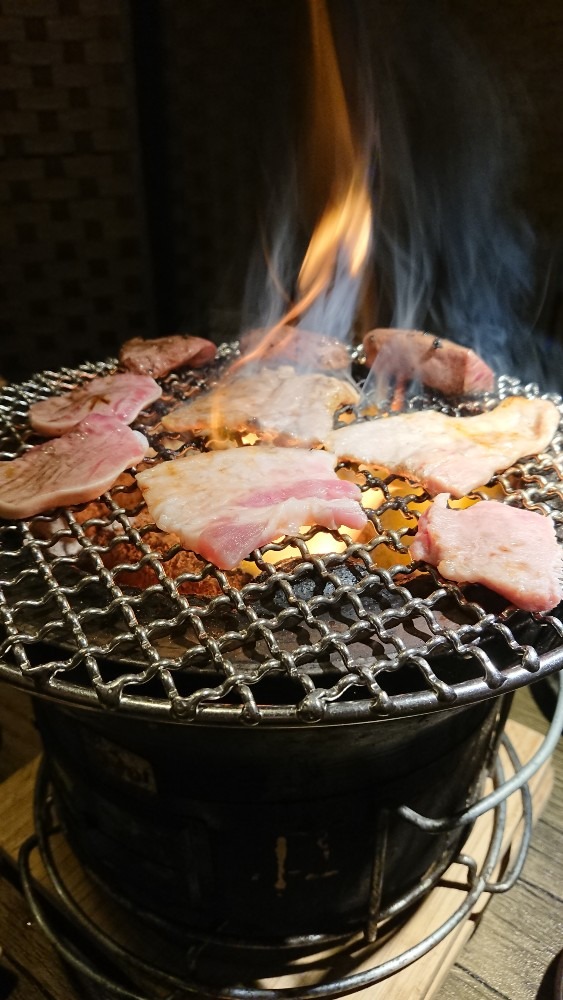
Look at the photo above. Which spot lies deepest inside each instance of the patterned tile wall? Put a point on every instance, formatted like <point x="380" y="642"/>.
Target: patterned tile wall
<point x="74" y="278"/>
<point x="229" y="80"/>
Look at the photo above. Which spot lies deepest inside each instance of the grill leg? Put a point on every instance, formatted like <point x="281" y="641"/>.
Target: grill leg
<point x="376" y="887"/>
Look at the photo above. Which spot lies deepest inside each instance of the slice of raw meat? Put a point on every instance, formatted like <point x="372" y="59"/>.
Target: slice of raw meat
<point x="407" y="355"/>
<point x="512" y="551"/>
<point x="450" y="454"/>
<point x="225" y="504"/>
<point x="121" y="395"/>
<point x="162" y="355"/>
<point x="275" y="402"/>
<point x="71" y="469"/>
<point x="304" y="349"/>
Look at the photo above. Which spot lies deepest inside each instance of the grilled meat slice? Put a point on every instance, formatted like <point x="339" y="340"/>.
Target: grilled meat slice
<point x="276" y="403"/>
<point x="162" y="355"/>
<point x="306" y="350"/>
<point x="411" y="355"/>
<point x="121" y="395"/>
<point x="70" y="469"/>
<point x="225" y="504"/>
<point x="512" y="551"/>
<point x="450" y="454"/>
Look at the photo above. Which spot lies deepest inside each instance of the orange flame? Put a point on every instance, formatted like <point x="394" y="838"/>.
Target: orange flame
<point x="346" y="222"/>
<point x="341" y="238"/>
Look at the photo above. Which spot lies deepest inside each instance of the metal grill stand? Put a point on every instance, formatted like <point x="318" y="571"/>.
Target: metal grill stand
<point x="308" y="649"/>
<point x="89" y="949"/>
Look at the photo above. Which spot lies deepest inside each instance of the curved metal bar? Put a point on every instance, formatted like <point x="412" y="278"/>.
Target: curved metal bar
<point x="116" y="951"/>
<point x="74" y="958"/>
<point x="513" y="784"/>
<point x="321" y="991"/>
<point x="527" y="815"/>
<point x="408" y="899"/>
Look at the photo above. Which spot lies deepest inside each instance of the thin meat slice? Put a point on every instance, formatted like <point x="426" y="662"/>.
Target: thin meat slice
<point x="411" y="355"/>
<point x="277" y="403"/>
<point x="121" y="395"/>
<point x="71" y="469"/>
<point x="512" y="551"/>
<point x="225" y="504"/>
<point x="305" y="349"/>
<point x="162" y="355"/>
<point x="450" y="454"/>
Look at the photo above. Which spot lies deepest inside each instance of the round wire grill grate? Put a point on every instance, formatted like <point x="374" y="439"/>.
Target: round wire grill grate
<point x="98" y="606"/>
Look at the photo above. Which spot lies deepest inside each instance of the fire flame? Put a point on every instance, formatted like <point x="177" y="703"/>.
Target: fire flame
<point x="340" y="244"/>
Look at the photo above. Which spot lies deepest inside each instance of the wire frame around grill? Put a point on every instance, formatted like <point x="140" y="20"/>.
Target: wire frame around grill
<point x="99" y="607"/>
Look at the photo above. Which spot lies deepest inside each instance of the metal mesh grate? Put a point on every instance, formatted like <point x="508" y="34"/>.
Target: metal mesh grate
<point x="97" y="605"/>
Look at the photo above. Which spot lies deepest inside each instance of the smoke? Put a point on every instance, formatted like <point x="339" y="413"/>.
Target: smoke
<point x="313" y="274"/>
<point x="454" y="255"/>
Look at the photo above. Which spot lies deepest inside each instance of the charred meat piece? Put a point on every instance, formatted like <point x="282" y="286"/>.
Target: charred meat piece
<point x="121" y="396"/>
<point x="404" y="356"/>
<point x="512" y="551"/>
<point x="304" y="349"/>
<point x="450" y="454"/>
<point x="165" y="354"/>
<point x="70" y="469"/>
<point x="225" y="504"/>
<point x="277" y="403"/>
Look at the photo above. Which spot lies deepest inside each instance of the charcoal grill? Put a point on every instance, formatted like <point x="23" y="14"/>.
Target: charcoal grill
<point x="206" y="730"/>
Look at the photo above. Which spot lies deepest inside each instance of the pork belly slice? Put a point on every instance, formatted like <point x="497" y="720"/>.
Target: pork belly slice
<point x="225" y="504"/>
<point x="512" y="551"/>
<point x="450" y="454"/>
<point x="305" y="349"/>
<point x="163" y="355"/>
<point x="277" y="403"/>
<point x="407" y="355"/>
<point x="70" y="469"/>
<point x="121" y="395"/>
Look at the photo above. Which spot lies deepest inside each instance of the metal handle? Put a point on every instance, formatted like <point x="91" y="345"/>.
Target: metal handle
<point x="492" y="800"/>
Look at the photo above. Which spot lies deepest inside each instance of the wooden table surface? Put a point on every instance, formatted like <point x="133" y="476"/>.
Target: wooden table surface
<point x="512" y="953"/>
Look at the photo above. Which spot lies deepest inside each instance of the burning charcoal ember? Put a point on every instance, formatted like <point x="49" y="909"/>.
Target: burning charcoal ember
<point x="512" y="551"/>
<point x="404" y="356"/>
<point x="450" y="454"/>
<point x="74" y="468"/>
<point x="276" y="403"/>
<point x="306" y="350"/>
<point x="121" y="396"/>
<point x="165" y="354"/>
<point x="121" y="555"/>
<point x="225" y="504"/>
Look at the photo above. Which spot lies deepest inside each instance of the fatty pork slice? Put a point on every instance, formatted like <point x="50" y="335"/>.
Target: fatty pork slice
<point x="163" y="355"/>
<point x="307" y="349"/>
<point x="74" y="468"/>
<point x="512" y="551"/>
<point x="277" y="403"/>
<point x="407" y="355"/>
<point x="450" y="454"/>
<point x="121" y="395"/>
<point x="225" y="504"/>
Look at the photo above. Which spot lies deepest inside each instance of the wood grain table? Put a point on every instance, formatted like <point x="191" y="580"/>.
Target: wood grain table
<point x="512" y="953"/>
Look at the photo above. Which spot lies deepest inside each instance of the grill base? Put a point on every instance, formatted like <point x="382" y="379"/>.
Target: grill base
<point x="265" y="836"/>
<point x="427" y="971"/>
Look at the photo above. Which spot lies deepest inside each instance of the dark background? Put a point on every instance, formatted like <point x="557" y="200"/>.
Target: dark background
<point x="138" y="142"/>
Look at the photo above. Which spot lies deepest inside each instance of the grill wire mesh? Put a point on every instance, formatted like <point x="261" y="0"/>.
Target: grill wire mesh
<point x="98" y="607"/>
